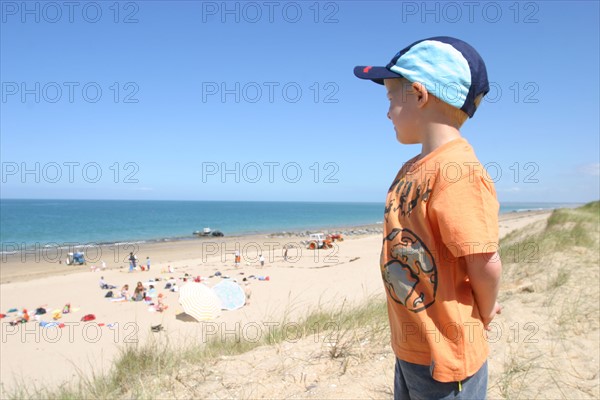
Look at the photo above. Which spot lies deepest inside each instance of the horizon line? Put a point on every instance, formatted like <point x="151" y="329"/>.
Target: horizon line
<point x="273" y="201"/>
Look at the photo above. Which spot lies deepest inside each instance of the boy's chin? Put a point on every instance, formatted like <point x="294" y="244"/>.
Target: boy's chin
<point x="402" y="140"/>
<point x="405" y="139"/>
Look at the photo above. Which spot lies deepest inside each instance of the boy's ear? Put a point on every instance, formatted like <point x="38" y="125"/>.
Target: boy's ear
<point x="421" y="93"/>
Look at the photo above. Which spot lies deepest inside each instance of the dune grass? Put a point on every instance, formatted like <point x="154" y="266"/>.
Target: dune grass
<point x="139" y="364"/>
<point x="540" y="257"/>
<point x="575" y="229"/>
<point x="560" y="261"/>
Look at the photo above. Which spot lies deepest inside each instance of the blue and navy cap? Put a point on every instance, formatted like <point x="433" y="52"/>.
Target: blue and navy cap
<point x="449" y="68"/>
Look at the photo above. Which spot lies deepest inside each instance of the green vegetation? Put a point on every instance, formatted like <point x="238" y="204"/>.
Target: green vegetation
<point x="558" y="261"/>
<point x="575" y="229"/>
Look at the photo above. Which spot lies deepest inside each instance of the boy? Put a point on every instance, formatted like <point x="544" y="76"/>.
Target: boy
<point x="439" y="262"/>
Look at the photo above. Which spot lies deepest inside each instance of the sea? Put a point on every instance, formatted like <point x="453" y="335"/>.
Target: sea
<point x="49" y="223"/>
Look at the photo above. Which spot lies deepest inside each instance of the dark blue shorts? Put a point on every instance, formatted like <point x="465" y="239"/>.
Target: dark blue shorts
<point x="414" y="382"/>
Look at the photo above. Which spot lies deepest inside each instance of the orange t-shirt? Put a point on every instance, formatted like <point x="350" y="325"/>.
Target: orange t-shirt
<point x="439" y="209"/>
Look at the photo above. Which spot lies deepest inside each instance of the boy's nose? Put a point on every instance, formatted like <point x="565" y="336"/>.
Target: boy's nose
<point x="388" y="115"/>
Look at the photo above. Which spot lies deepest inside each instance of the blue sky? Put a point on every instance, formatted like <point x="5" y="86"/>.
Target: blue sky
<point x="257" y="100"/>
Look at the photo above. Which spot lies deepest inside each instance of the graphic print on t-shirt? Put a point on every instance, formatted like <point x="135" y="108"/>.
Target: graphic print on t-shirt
<point x="410" y="275"/>
<point x="410" y="194"/>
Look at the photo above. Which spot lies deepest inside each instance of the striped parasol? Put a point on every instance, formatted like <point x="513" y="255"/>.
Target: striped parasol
<point x="199" y="301"/>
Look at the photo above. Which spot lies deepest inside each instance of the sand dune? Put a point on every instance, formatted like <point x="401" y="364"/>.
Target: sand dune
<point x="310" y="280"/>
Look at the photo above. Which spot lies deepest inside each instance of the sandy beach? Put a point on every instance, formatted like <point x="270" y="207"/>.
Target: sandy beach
<point x="309" y="280"/>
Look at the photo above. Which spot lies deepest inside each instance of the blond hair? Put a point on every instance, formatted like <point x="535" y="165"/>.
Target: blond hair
<point x="457" y="116"/>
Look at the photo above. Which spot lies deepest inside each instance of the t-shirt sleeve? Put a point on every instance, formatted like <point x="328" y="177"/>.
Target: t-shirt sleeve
<point x="467" y="215"/>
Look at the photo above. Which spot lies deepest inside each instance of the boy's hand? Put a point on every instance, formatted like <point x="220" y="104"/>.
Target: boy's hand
<point x="486" y="320"/>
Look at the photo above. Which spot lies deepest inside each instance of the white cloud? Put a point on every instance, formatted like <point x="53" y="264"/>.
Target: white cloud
<point x="592" y="169"/>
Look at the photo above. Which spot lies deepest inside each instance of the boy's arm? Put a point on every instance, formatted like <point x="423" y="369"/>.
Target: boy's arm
<point x="484" y="272"/>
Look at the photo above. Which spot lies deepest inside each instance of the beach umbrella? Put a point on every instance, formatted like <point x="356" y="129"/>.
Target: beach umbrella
<point x="231" y="294"/>
<point x="199" y="301"/>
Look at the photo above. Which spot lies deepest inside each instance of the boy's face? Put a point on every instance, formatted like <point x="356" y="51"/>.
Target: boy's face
<point x="403" y="111"/>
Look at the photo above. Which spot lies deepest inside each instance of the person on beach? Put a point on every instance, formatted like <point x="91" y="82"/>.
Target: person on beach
<point x="285" y="254"/>
<point x="261" y="259"/>
<point x="151" y="292"/>
<point x="132" y="262"/>
<point x="439" y="264"/>
<point x="103" y="284"/>
<point x="160" y="303"/>
<point x="125" y="292"/>
<point x="148" y="263"/>
<point x="139" y="292"/>
<point x="237" y="258"/>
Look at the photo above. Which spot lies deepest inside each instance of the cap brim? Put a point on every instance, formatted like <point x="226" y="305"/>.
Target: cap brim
<point x="376" y="74"/>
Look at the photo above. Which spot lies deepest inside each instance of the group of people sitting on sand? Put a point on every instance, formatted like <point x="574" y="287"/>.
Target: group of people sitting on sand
<point x="140" y="293"/>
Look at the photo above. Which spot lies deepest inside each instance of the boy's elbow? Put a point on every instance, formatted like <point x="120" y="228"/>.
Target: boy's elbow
<point x="487" y="265"/>
<point x="494" y="269"/>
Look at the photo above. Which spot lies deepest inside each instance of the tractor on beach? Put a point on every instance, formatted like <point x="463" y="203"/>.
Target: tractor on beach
<point x="321" y="241"/>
